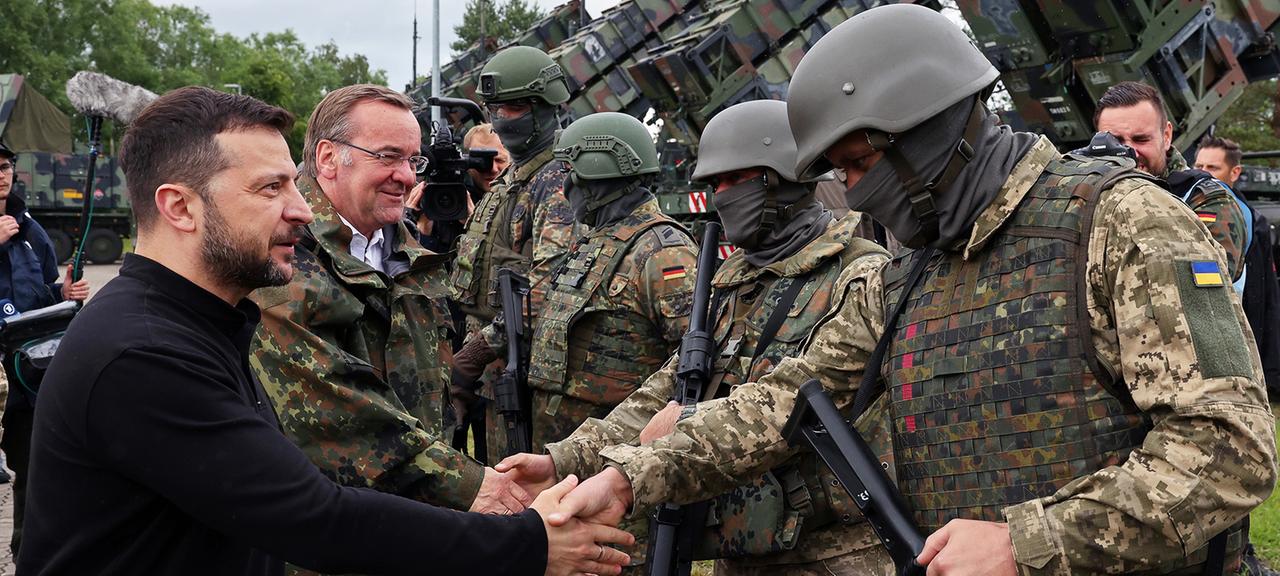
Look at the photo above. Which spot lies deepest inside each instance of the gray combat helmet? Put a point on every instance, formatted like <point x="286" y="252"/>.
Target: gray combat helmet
<point x="521" y="72"/>
<point x="607" y="145"/>
<point x="748" y="135"/>
<point x="887" y="69"/>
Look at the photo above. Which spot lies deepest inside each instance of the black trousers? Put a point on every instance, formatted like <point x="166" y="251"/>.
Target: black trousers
<point x="18" y="422"/>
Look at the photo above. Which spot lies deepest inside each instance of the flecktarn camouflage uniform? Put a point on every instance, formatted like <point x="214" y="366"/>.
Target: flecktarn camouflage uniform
<point x="523" y="223"/>
<point x="1163" y="325"/>
<point x="356" y="363"/>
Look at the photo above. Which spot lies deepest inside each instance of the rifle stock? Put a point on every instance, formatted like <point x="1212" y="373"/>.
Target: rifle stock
<point x="816" y="420"/>
<point x="693" y="371"/>
<point x="511" y="391"/>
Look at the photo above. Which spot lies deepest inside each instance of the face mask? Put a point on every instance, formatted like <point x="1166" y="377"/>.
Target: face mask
<point x="528" y="134"/>
<point x="739" y="207"/>
<point x="880" y="193"/>
<point x="578" y="195"/>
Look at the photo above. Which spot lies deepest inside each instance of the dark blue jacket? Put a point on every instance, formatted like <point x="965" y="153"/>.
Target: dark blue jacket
<point x="28" y="267"/>
<point x="28" y="278"/>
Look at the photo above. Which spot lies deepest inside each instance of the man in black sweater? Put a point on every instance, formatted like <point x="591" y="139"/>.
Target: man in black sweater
<point x="156" y="451"/>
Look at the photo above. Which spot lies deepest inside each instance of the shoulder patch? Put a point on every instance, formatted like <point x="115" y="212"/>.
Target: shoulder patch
<point x="670" y="236"/>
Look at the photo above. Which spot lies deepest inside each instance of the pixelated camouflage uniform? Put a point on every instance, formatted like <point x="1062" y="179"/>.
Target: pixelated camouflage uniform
<point x="1184" y="353"/>
<point x="786" y="508"/>
<point x="1216" y="207"/>
<point x="615" y="308"/>
<point x="356" y="363"/>
<point x="523" y="223"/>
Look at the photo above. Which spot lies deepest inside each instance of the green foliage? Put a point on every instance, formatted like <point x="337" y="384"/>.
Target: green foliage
<point x="503" y="23"/>
<point x="1252" y="120"/>
<point x="165" y="47"/>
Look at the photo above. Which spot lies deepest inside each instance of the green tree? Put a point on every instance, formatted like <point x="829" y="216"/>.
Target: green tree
<point x="502" y="23"/>
<point x="1252" y="120"/>
<point x="164" y="47"/>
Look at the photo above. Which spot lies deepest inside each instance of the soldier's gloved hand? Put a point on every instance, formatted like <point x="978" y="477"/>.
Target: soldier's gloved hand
<point x="965" y="547"/>
<point x="499" y="494"/>
<point x="469" y="362"/>
<point x="575" y="546"/>
<point x="532" y="472"/>
<point x="662" y="423"/>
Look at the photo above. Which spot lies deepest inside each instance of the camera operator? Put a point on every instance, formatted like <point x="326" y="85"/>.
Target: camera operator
<point x="485" y="158"/>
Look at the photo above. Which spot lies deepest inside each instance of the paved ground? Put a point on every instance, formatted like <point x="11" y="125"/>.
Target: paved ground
<point x="97" y="275"/>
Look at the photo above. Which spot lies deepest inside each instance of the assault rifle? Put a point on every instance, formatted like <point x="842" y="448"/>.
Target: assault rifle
<point x="511" y="391"/>
<point x="667" y="556"/>
<point x="816" y="420"/>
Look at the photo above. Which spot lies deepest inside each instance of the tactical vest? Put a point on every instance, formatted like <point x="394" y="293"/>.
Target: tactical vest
<point x="484" y="246"/>
<point x="994" y="386"/>
<point x="769" y="515"/>
<point x="582" y="285"/>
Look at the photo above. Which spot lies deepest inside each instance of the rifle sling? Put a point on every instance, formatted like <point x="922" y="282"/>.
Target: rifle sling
<point x="871" y="384"/>
<point x="778" y="315"/>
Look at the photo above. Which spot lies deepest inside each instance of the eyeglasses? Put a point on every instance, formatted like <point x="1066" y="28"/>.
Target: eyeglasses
<point x="6" y="167"/>
<point x="417" y="163"/>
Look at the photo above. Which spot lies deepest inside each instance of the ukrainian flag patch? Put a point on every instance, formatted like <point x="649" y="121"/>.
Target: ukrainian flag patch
<point x="673" y="273"/>
<point x="1206" y="274"/>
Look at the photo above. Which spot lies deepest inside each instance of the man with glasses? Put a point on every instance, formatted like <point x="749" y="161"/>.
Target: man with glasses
<point x="524" y="222"/>
<point x="354" y="351"/>
<point x="28" y="280"/>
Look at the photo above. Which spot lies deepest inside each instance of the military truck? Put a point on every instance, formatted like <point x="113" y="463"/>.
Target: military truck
<point x="676" y="63"/>
<point x="50" y="175"/>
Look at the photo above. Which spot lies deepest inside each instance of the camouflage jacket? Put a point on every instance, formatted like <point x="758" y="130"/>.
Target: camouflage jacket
<point x="615" y="308"/>
<point x="1208" y="459"/>
<point x="523" y="223"/>
<point x="1216" y="207"/>
<point x="751" y="295"/>
<point x="356" y="363"/>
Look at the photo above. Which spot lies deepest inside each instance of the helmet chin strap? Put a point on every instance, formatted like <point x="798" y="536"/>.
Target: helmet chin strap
<point x="919" y="193"/>
<point x="771" y="213"/>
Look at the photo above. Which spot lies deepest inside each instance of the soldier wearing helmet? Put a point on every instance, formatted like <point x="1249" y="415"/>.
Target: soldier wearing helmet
<point x="1070" y="386"/>
<point x="524" y="222"/>
<point x="618" y="303"/>
<point x="768" y="297"/>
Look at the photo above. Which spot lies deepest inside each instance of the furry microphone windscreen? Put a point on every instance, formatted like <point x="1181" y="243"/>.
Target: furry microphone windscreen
<point x="95" y="94"/>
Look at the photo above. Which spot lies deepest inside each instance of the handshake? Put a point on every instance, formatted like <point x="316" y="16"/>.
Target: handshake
<point x="580" y="518"/>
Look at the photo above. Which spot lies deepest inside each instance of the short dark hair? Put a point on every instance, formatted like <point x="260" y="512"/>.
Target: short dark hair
<point x="1126" y="94"/>
<point x="1230" y="149"/>
<point x="172" y="141"/>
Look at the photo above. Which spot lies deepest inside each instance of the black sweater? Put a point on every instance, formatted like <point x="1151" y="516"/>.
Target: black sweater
<point x="156" y="452"/>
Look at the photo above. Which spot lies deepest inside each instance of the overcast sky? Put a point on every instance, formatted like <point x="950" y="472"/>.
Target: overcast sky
<point x="382" y="30"/>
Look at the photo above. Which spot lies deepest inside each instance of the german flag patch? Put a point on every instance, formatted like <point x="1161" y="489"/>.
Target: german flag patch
<point x="674" y="273"/>
<point x="1206" y="274"/>
<point x="1207" y="217"/>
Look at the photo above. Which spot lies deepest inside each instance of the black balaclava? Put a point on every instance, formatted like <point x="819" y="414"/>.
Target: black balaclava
<point x="801" y="218"/>
<point x="927" y="147"/>
<point x="529" y="134"/>
<point x="599" y="203"/>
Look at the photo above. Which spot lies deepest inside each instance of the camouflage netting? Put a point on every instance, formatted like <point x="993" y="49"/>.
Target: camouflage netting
<point x="29" y="121"/>
<point x="95" y="94"/>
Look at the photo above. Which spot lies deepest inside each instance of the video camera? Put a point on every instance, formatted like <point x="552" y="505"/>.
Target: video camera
<point x="1106" y="144"/>
<point x="445" y="196"/>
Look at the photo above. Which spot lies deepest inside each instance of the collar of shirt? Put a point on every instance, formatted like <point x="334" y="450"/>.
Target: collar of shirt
<point x="237" y="322"/>
<point x="1025" y="174"/>
<point x="368" y="250"/>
